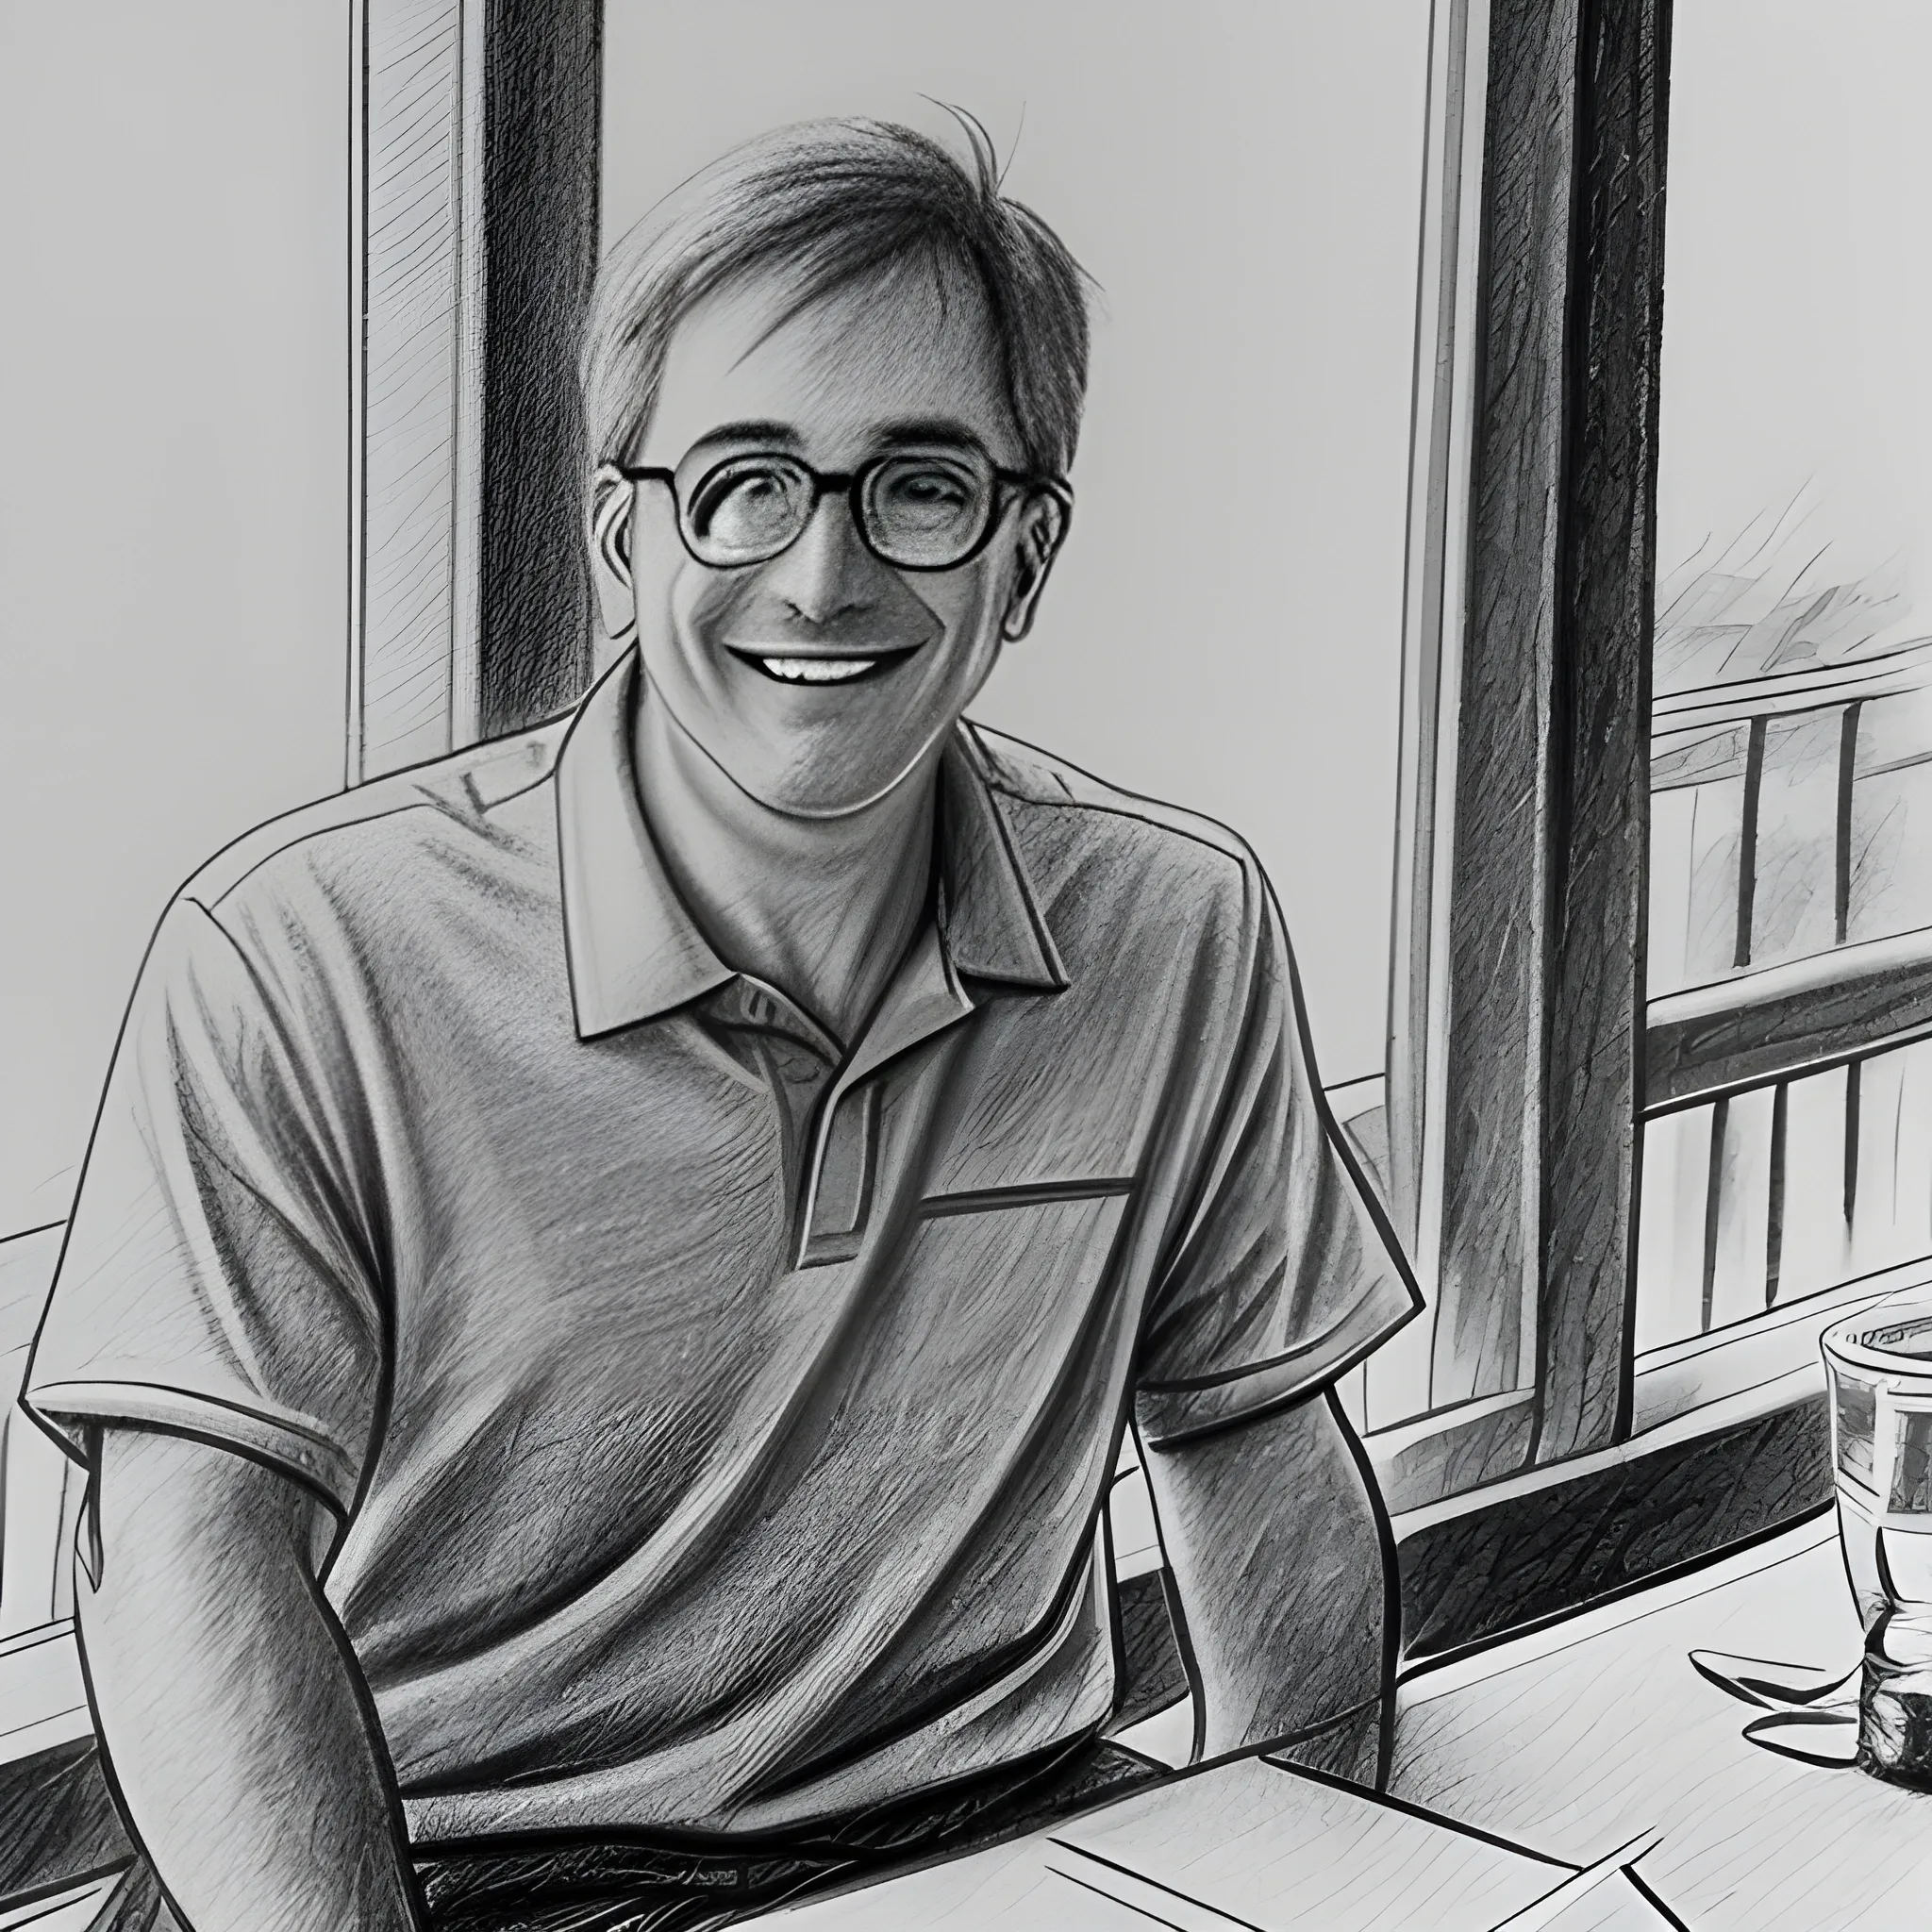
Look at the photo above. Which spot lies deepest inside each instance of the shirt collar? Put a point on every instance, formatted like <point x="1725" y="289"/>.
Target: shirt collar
<point x="634" y="949"/>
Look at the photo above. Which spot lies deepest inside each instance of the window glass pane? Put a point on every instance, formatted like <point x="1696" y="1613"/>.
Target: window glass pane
<point x="1792" y="741"/>
<point x="1792" y="729"/>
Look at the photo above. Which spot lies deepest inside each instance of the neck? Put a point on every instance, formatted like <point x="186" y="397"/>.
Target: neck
<point x="823" y="908"/>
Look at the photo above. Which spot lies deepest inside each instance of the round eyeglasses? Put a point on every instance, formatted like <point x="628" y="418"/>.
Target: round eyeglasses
<point x="915" y="510"/>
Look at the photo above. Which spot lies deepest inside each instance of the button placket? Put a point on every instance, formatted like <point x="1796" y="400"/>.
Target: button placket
<point x="840" y="1186"/>
<point x="924" y="999"/>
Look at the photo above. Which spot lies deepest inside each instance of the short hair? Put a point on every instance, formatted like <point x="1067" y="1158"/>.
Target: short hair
<point x="831" y="204"/>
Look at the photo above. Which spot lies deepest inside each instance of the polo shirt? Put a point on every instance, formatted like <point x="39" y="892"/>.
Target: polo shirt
<point x="719" y="1422"/>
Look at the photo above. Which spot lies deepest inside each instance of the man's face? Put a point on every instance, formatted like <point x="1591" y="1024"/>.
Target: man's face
<point x="820" y="679"/>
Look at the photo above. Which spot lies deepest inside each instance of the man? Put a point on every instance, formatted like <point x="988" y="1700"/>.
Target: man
<point x="613" y="1267"/>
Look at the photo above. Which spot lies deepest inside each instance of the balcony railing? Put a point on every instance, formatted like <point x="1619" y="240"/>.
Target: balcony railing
<point x="1789" y="1074"/>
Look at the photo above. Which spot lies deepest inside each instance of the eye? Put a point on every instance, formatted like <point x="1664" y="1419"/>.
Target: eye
<point x="926" y="493"/>
<point x="934" y="487"/>
<point x="748" y="505"/>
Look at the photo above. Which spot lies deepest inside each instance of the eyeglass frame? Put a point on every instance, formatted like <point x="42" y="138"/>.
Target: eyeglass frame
<point x="833" y="482"/>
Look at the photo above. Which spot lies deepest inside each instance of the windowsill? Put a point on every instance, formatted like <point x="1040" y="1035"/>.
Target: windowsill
<point x="1762" y="1355"/>
<point x="1687" y="1388"/>
<point x="1709" y="1418"/>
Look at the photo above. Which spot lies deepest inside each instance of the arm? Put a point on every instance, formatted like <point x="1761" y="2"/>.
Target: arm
<point x="239" y="1735"/>
<point x="1283" y="1272"/>
<point x="1276" y="1542"/>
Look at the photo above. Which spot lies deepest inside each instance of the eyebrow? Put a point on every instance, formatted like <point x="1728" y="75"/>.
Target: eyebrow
<point x="941" y="429"/>
<point x="922" y="431"/>
<point x="765" y="434"/>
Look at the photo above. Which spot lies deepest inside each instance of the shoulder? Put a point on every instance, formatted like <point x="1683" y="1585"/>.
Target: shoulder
<point x="392" y="821"/>
<point x="1066" y="821"/>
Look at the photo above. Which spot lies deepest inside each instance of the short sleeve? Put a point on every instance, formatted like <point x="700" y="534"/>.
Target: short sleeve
<point x="215" y="1279"/>
<point x="1283" y="1273"/>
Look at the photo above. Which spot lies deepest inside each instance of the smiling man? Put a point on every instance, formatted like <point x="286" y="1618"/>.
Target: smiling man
<point x="614" y="1268"/>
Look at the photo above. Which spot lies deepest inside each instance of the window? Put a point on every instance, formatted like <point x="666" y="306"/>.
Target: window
<point x="1790" y="1154"/>
<point x="1661" y="1101"/>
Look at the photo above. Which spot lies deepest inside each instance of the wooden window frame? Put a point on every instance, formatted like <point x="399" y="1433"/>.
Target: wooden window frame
<point x="1552" y="1465"/>
<point x="475" y="147"/>
<point x="1517" y="996"/>
<point x="1517" y="1003"/>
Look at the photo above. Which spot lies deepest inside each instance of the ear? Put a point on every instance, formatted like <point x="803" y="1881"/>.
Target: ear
<point x="1043" y="530"/>
<point x="609" y="532"/>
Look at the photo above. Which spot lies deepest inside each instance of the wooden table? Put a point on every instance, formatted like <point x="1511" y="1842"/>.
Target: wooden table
<point x="1244" y="1846"/>
<point x="1580" y="1737"/>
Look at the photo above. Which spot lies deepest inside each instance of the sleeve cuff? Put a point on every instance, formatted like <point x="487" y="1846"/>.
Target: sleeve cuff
<point x="1171" y="1412"/>
<point x="287" y="1441"/>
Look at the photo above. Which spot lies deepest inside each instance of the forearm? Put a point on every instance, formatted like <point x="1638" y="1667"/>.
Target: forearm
<point x="231" y="1710"/>
<point x="1275" y="1545"/>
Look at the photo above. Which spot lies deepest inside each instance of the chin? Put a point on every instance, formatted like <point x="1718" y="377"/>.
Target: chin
<point x="820" y="795"/>
<point x="824" y="780"/>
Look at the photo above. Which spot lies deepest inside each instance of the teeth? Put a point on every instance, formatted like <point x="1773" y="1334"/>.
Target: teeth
<point x="817" y="670"/>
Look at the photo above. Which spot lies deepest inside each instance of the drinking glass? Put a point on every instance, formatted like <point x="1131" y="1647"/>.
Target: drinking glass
<point x="1880" y="1367"/>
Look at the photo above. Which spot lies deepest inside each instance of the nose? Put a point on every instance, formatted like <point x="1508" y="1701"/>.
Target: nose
<point x="827" y="574"/>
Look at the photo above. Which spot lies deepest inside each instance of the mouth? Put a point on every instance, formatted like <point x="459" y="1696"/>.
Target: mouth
<point x="792" y="668"/>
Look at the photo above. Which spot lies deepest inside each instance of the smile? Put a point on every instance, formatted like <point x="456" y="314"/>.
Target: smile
<point x="797" y="670"/>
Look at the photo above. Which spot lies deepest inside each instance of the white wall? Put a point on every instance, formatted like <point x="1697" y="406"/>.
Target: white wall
<point x="173" y="515"/>
<point x="1243" y="177"/>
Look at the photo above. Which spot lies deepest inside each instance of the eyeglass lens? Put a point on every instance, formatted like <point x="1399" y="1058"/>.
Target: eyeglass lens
<point x="926" y="511"/>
